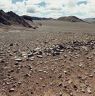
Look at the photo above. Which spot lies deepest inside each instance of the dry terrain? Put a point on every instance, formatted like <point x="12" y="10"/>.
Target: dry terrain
<point x="56" y="59"/>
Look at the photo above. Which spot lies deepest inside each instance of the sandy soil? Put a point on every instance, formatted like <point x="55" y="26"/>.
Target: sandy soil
<point x="66" y="69"/>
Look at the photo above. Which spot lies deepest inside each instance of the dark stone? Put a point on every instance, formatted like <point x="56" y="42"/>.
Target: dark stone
<point x="11" y="44"/>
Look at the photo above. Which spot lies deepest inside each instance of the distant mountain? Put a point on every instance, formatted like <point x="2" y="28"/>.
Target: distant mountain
<point x="40" y="18"/>
<point x="70" y="19"/>
<point x="10" y="18"/>
<point x="90" y="20"/>
<point x="30" y="18"/>
<point x="27" y="17"/>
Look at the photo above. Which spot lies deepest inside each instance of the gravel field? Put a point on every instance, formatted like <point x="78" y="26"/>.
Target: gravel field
<point x="56" y="59"/>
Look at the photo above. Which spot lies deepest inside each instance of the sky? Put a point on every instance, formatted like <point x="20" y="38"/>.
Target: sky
<point x="50" y="8"/>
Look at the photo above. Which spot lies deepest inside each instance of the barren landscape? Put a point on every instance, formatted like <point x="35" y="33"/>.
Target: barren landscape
<point x="55" y="59"/>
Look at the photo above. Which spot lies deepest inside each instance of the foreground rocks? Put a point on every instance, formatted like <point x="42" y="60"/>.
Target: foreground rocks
<point x="66" y="69"/>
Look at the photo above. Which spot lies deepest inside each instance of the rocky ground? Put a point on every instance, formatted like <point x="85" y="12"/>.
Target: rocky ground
<point x="57" y="59"/>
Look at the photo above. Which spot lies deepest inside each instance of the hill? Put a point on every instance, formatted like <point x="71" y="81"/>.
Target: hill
<point x="90" y="20"/>
<point x="70" y="19"/>
<point x="10" y="18"/>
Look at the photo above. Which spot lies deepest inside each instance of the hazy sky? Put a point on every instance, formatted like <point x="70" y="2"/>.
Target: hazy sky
<point x="50" y="8"/>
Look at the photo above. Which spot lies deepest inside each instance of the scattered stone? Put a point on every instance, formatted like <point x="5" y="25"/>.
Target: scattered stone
<point x="65" y="71"/>
<point x="41" y="78"/>
<point x="91" y="75"/>
<point x="30" y="67"/>
<point x="89" y="90"/>
<point x="31" y="59"/>
<point x="11" y="44"/>
<point x="37" y="49"/>
<point x="60" y="76"/>
<point x="55" y="53"/>
<point x="11" y="71"/>
<point x="18" y="59"/>
<point x="83" y="90"/>
<point x="80" y="65"/>
<point x="39" y="56"/>
<point x="40" y="70"/>
<point x="39" y="53"/>
<point x="19" y="83"/>
<point x="43" y="86"/>
<point x="70" y="81"/>
<point x="60" y="85"/>
<point x="32" y="92"/>
<point x="2" y="61"/>
<point x="60" y="94"/>
<point x="11" y="90"/>
<point x="65" y="56"/>
<point x="8" y="83"/>
<point x="27" y="75"/>
<point x="16" y="63"/>
<point x="71" y="94"/>
<point x="85" y="48"/>
<point x="75" y="87"/>
<point x="30" y="55"/>
<point x="24" y="54"/>
<point x="45" y="71"/>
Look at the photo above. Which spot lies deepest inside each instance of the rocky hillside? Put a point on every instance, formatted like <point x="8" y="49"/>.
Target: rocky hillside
<point x="10" y="18"/>
<point x="4" y="18"/>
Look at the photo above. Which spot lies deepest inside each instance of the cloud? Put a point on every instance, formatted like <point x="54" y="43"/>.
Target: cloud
<point x="5" y="4"/>
<point x="81" y="2"/>
<point x="50" y="8"/>
<point x="14" y="1"/>
<point x="42" y="4"/>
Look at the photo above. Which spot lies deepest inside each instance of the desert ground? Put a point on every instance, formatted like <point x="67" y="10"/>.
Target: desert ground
<point x="56" y="59"/>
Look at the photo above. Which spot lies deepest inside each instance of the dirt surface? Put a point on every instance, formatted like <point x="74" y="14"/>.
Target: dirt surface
<point x="56" y="59"/>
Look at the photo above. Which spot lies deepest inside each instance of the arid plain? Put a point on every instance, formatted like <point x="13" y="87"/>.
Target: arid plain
<point x="55" y="59"/>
